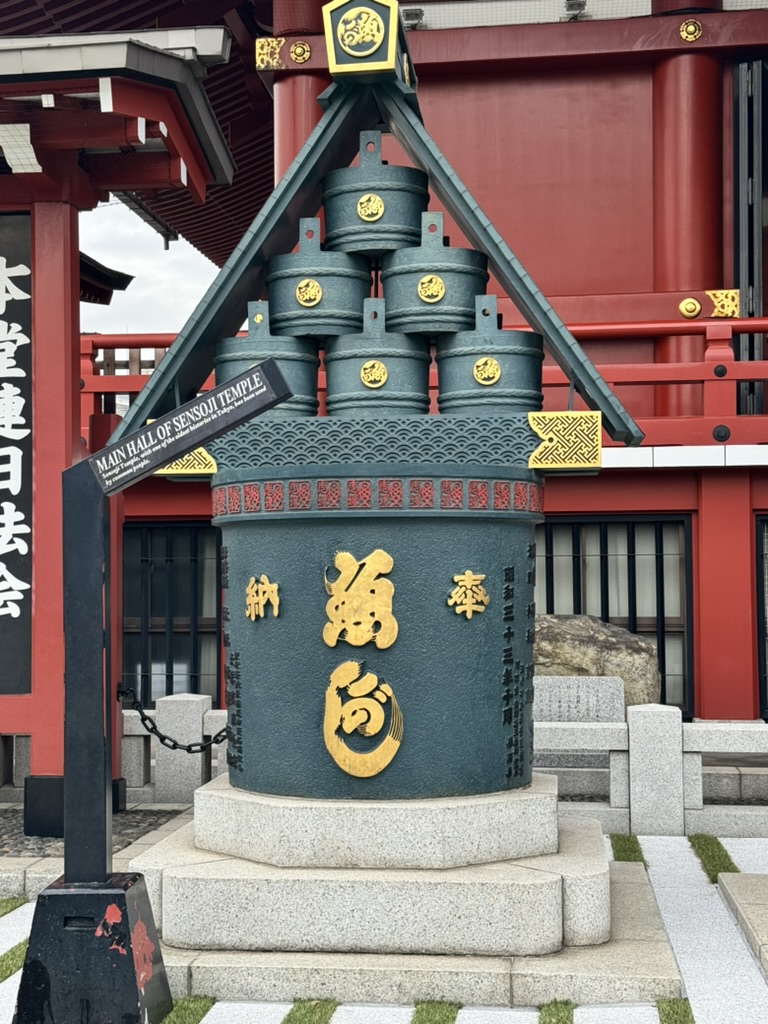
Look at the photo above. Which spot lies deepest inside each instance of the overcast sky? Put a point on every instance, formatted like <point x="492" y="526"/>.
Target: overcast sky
<point x="166" y="287"/>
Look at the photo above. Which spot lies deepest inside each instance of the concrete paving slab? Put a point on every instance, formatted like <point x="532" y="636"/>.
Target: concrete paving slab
<point x="496" y="1015"/>
<point x="247" y="1013"/>
<point x="14" y="927"/>
<point x="9" y="990"/>
<point x="722" y="980"/>
<point x="13" y="875"/>
<point x="370" y="1014"/>
<point x="645" y="1013"/>
<point x="750" y="855"/>
<point x="747" y="897"/>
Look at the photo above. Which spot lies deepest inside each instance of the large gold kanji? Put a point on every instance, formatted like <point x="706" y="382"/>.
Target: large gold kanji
<point x="360" y="605"/>
<point x="363" y="713"/>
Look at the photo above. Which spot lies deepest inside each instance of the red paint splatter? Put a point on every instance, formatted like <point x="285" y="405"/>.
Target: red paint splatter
<point x="143" y="948"/>
<point x="107" y="928"/>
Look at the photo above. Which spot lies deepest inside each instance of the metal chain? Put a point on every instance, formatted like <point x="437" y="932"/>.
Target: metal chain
<point x="167" y="741"/>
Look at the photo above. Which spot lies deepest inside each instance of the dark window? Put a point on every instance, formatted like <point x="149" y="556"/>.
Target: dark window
<point x="171" y="585"/>
<point x="633" y="573"/>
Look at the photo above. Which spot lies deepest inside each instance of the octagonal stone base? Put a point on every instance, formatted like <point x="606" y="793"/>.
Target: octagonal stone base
<point x="441" y="833"/>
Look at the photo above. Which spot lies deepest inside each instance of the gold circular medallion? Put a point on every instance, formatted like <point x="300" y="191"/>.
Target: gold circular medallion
<point x="373" y="373"/>
<point x="690" y="308"/>
<point x="486" y="370"/>
<point x="690" y="30"/>
<point x="308" y="292"/>
<point x="431" y="288"/>
<point x="360" y="32"/>
<point x="370" y="207"/>
<point x="258" y="318"/>
<point x="300" y="52"/>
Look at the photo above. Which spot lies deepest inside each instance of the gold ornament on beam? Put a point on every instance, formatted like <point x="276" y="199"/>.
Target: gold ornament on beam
<point x="570" y="440"/>
<point x="268" y="53"/>
<point x="726" y="302"/>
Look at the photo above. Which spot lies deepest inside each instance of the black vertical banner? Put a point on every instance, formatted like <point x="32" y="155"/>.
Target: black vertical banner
<point x="15" y="453"/>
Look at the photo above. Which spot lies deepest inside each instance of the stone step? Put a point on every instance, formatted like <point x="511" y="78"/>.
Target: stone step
<point x="636" y="965"/>
<point x="507" y="908"/>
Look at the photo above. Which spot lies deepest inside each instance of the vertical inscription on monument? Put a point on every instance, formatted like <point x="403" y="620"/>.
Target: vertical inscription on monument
<point x="15" y="452"/>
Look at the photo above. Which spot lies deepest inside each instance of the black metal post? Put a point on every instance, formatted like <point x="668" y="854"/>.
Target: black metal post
<point x="87" y="784"/>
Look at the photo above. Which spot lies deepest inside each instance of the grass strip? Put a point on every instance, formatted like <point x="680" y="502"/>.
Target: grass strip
<point x="311" y="1011"/>
<point x="713" y="855"/>
<point x="675" y="1011"/>
<point x="12" y="960"/>
<point x="189" y="1010"/>
<point x="627" y="848"/>
<point x="9" y="903"/>
<point x="435" y="1013"/>
<point x="559" y="1011"/>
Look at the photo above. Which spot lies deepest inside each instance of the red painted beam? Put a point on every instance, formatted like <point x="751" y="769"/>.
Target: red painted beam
<point x="565" y="45"/>
<point x="118" y="172"/>
<point x="137" y="99"/>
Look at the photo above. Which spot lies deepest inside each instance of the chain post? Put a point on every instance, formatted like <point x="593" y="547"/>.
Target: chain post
<point x="168" y="741"/>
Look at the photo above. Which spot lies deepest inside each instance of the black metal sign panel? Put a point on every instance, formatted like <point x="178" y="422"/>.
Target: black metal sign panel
<point x="15" y="452"/>
<point x="139" y="454"/>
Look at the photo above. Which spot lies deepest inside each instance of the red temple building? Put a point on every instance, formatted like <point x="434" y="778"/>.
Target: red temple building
<point x="616" y="145"/>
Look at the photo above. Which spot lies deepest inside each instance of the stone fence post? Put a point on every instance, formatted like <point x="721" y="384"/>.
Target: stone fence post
<point x="656" y="789"/>
<point x="177" y="773"/>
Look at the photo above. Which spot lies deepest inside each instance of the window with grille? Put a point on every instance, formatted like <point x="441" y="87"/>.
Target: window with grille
<point x="633" y="573"/>
<point x="171" y="585"/>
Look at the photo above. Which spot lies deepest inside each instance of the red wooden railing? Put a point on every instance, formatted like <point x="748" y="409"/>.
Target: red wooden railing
<point x="717" y="376"/>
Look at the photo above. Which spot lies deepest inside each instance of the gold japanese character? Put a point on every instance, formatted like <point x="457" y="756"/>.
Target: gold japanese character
<point x="469" y="596"/>
<point x="258" y="595"/>
<point x="360" y="608"/>
<point x="364" y="713"/>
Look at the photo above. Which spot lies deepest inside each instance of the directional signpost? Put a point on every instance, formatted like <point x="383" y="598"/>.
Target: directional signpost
<point x="93" y="952"/>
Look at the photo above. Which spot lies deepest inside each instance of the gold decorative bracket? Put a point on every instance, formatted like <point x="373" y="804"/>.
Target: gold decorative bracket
<point x="726" y="302"/>
<point x="570" y="440"/>
<point x="268" y="53"/>
<point x="196" y="463"/>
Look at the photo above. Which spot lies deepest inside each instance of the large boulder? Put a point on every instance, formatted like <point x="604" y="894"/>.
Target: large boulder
<point x="582" y="645"/>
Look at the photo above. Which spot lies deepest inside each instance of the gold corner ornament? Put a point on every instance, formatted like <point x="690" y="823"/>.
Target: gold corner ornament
<point x="373" y="373"/>
<point x="308" y="292"/>
<point x="195" y="463"/>
<point x="268" y="53"/>
<point x="431" y="288"/>
<point x="689" y="308"/>
<point x="300" y="52"/>
<point x="469" y="595"/>
<point x="364" y="713"/>
<point x="360" y="607"/>
<point x="690" y="30"/>
<point x="370" y="207"/>
<point x="486" y="371"/>
<point x="570" y="440"/>
<point x="726" y="302"/>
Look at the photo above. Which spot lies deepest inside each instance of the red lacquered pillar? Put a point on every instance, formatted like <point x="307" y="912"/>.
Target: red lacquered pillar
<point x="687" y="213"/>
<point x="724" y="589"/>
<point x="56" y="441"/>
<point x="296" y="108"/>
